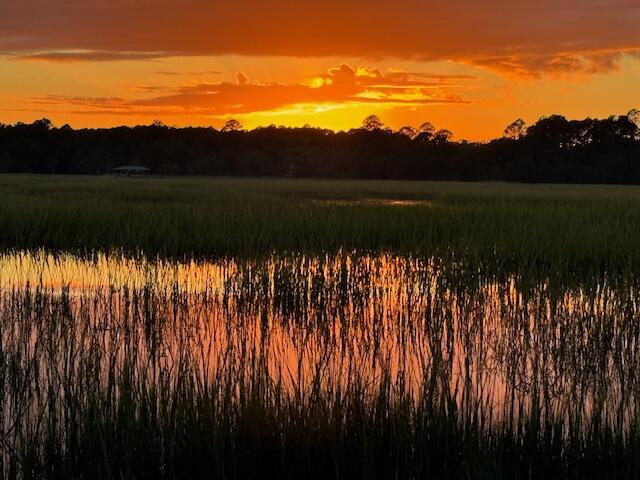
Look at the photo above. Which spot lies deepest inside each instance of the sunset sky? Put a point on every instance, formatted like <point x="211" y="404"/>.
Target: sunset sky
<point x="468" y="66"/>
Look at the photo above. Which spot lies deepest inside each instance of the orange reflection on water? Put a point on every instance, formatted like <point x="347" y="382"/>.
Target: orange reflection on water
<point x="340" y="326"/>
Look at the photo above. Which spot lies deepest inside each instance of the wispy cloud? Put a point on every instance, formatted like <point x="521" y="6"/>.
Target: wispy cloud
<point x="85" y="56"/>
<point x="563" y="64"/>
<point x="199" y="73"/>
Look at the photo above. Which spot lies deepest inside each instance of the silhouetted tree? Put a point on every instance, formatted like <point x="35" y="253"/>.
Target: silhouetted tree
<point x="43" y="124"/>
<point x="425" y="132"/>
<point x="427" y="127"/>
<point x="634" y="117"/>
<point x="554" y="149"/>
<point x="552" y="131"/>
<point x="371" y="123"/>
<point x="408" y="132"/>
<point x="442" y="136"/>
<point x="515" y="130"/>
<point x="232" y="125"/>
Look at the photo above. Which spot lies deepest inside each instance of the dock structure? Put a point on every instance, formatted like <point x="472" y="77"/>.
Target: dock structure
<point x="131" y="171"/>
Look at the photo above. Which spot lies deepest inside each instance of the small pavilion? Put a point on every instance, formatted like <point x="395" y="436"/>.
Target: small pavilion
<point x="131" y="171"/>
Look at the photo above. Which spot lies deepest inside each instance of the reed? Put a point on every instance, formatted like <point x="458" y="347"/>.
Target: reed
<point x="574" y="230"/>
<point x="306" y="366"/>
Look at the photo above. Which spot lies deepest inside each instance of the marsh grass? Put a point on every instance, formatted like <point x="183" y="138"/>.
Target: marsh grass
<point x="226" y="328"/>
<point x="341" y="366"/>
<point x="571" y="230"/>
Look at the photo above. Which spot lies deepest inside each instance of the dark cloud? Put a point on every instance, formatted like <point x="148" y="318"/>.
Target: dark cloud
<point x="525" y="37"/>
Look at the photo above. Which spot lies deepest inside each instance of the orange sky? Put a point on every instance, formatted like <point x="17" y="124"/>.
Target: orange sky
<point x="465" y="65"/>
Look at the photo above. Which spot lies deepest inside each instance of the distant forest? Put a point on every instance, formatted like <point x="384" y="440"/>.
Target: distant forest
<point x="553" y="149"/>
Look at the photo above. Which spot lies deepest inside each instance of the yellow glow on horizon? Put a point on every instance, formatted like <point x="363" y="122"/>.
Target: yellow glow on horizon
<point x="295" y="92"/>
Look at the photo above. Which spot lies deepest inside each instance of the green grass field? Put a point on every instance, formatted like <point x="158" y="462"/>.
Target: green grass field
<point x="554" y="228"/>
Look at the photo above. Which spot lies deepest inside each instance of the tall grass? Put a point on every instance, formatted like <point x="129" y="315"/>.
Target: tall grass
<point x="578" y="230"/>
<point x="337" y="329"/>
<point x="300" y="366"/>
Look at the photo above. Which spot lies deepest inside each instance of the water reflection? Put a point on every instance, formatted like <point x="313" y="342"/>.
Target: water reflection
<point x="299" y="329"/>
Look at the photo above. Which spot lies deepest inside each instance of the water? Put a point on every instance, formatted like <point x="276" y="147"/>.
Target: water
<point x="299" y="328"/>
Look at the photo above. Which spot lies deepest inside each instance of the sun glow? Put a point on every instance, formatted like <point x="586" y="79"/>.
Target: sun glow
<point x="474" y="103"/>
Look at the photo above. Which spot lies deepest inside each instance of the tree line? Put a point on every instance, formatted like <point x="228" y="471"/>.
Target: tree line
<point x="553" y="149"/>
